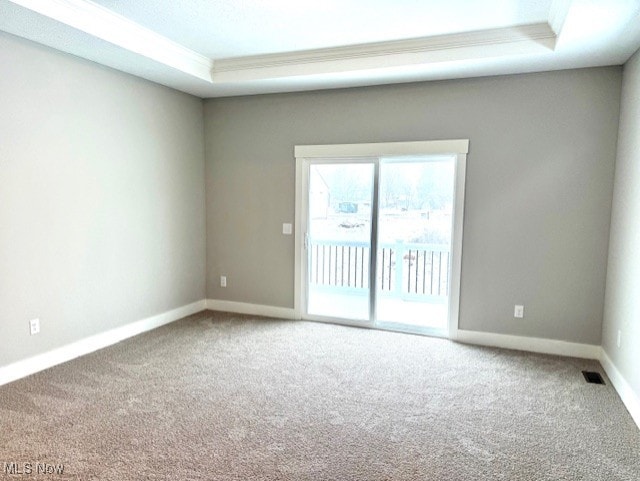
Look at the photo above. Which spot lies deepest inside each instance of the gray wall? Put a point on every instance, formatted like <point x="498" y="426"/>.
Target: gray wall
<point x="538" y="192"/>
<point x="101" y="199"/>
<point x="622" y="306"/>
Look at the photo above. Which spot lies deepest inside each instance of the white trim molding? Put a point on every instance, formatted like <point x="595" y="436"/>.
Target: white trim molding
<point x="457" y="228"/>
<point x="530" y="344"/>
<point x="383" y="149"/>
<point x="629" y="397"/>
<point x="40" y="362"/>
<point x="104" y="24"/>
<point x="558" y="14"/>
<point x="251" y="309"/>
<point x="495" y="42"/>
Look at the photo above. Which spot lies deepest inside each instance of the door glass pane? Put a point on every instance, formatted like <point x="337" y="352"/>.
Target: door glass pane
<point x="414" y="241"/>
<point x="338" y="248"/>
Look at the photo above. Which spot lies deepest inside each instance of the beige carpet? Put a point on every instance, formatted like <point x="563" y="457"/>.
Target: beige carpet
<point x="223" y="397"/>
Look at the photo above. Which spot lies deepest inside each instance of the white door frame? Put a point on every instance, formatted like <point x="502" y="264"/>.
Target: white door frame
<point x="305" y="153"/>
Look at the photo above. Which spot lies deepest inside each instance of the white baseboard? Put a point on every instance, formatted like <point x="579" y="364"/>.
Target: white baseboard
<point x="531" y="344"/>
<point x="630" y="398"/>
<point x="251" y="309"/>
<point x="40" y="362"/>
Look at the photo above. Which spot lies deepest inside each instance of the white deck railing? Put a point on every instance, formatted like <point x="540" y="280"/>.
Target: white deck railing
<point x="405" y="270"/>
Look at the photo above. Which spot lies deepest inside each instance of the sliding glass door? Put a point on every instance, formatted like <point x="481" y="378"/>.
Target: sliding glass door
<point x="338" y="242"/>
<point x="414" y="242"/>
<point x="379" y="244"/>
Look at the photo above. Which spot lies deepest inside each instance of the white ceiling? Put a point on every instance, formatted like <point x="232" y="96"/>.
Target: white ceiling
<point x="231" y="47"/>
<point x="233" y="28"/>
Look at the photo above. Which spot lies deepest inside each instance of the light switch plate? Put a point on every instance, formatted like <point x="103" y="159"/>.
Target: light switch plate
<point x="34" y="326"/>
<point x="287" y="229"/>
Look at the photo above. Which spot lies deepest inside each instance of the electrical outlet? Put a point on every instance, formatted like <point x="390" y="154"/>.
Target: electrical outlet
<point x="619" y="337"/>
<point x="34" y="326"/>
<point x="223" y="281"/>
<point x="518" y="311"/>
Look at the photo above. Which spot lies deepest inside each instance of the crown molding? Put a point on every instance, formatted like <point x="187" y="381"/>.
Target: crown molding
<point x="109" y="26"/>
<point x="102" y="23"/>
<point x="523" y="39"/>
<point x="558" y="14"/>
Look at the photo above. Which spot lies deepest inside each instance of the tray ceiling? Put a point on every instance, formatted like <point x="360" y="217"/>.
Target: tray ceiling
<point x="235" y="47"/>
